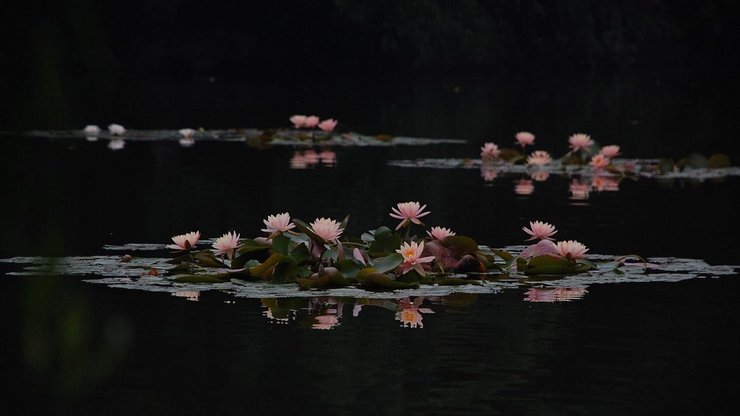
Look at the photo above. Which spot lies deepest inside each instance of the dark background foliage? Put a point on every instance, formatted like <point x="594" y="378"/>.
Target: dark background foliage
<point x="65" y="64"/>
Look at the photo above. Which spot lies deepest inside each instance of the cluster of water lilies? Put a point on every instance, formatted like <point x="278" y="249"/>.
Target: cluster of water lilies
<point x="311" y="122"/>
<point x="117" y="131"/>
<point x="318" y="254"/>
<point x="581" y="150"/>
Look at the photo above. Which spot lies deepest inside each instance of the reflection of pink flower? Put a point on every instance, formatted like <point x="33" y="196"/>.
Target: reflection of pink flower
<point x="540" y="175"/>
<point x="440" y="233"/>
<point x="488" y="173"/>
<point x="298" y="161"/>
<point x="524" y="138"/>
<point x="604" y="183"/>
<point x="559" y="294"/>
<point x="325" y="322"/>
<point x="579" y="190"/>
<point x="580" y="141"/>
<point x="277" y="223"/>
<point x="523" y="187"/>
<point x="599" y="161"/>
<point x="328" y="157"/>
<point x="539" y="158"/>
<point x="541" y="230"/>
<point x="571" y="249"/>
<point x="610" y="151"/>
<point x="327" y="229"/>
<point x="311" y="157"/>
<point x="408" y="212"/>
<point x="192" y="295"/>
<point x="328" y="125"/>
<point x="410" y="313"/>
<point x="226" y="244"/>
<point x="185" y="241"/>
<point x="412" y="259"/>
<point x="116" y="144"/>
<point x="489" y="151"/>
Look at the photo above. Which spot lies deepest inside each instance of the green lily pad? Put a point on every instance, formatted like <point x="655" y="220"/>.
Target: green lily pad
<point x="387" y="263"/>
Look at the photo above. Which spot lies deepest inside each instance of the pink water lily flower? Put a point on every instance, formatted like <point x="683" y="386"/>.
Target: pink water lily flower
<point x="186" y="133"/>
<point x="311" y="122"/>
<point x="185" y="241"/>
<point x="408" y="212"/>
<point x="541" y="230"/>
<point x="489" y="151"/>
<point x="328" y="125"/>
<point x="278" y="223"/>
<point x="226" y="244"/>
<point x="524" y="138"/>
<point x="412" y="259"/>
<point x="610" y="151"/>
<point x="91" y="130"/>
<point x="539" y="158"/>
<point x="571" y="249"/>
<point x="327" y="228"/>
<point x="580" y="141"/>
<point x="440" y="233"/>
<point x="298" y="120"/>
<point x="116" y="129"/>
<point x="599" y="161"/>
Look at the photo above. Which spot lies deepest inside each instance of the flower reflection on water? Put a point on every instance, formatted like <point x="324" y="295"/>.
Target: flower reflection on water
<point x="524" y="187"/>
<point x="192" y="295"/>
<point x="304" y="159"/>
<point x="558" y="294"/>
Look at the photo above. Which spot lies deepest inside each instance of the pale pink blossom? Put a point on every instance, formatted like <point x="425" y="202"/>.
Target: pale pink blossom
<point x="408" y="212"/>
<point x="298" y="121"/>
<point x="116" y="129"/>
<point x="539" y="158"/>
<point x="278" y="223"/>
<point x="440" y="233"/>
<point x="599" y="161"/>
<point x="610" y="151"/>
<point x="540" y="230"/>
<point x="412" y="259"/>
<point x="185" y="241"/>
<point x="226" y="244"/>
<point x="327" y="229"/>
<point x="524" y="138"/>
<point x="571" y="249"/>
<point x="91" y="130"/>
<point x="328" y="125"/>
<point x="580" y="141"/>
<point x="489" y="151"/>
<point x="311" y="122"/>
<point x="357" y="254"/>
<point x="524" y="187"/>
<point x="186" y="133"/>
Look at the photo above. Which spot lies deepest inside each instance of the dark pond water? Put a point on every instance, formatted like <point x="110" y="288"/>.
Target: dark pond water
<point x="631" y="348"/>
<point x="628" y="348"/>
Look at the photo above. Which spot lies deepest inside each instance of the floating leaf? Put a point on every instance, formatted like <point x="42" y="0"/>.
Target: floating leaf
<point x="265" y="270"/>
<point x="249" y="246"/>
<point x="696" y="161"/>
<point x="207" y="259"/>
<point x="385" y="242"/>
<point x="460" y="245"/>
<point x="280" y="244"/>
<point x="547" y="264"/>
<point x="300" y="254"/>
<point x="369" y="277"/>
<point x="719" y="160"/>
<point x="349" y="267"/>
<point x="329" y="277"/>
<point x="387" y="263"/>
<point x="201" y="278"/>
<point x="451" y="281"/>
